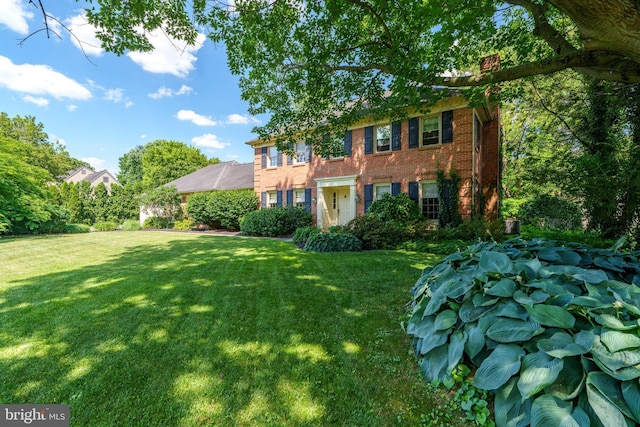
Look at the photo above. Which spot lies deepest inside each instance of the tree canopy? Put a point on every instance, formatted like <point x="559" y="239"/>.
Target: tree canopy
<point x="303" y="61"/>
<point x="164" y="161"/>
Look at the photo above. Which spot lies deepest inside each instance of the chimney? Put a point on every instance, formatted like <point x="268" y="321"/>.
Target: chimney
<point x="490" y="63"/>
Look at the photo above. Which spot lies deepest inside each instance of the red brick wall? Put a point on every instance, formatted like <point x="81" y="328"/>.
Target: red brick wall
<point x="405" y="165"/>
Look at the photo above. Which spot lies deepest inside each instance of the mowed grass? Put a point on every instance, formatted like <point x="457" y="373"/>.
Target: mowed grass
<point x="171" y="329"/>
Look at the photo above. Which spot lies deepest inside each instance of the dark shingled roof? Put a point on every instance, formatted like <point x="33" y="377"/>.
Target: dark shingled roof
<point x="221" y="176"/>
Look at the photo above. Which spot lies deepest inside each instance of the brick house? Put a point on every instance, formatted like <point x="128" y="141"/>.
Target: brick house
<point x="385" y="157"/>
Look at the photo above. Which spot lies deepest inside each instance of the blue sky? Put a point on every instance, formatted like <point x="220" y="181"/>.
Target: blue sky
<point x="101" y="106"/>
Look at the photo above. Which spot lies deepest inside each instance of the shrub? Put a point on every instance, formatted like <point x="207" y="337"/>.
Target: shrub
<point x="374" y="233"/>
<point x="76" y="228"/>
<point x="445" y="247"/>
<point x="105" y="226"/>
<point x="479" y="228"/>
<point x="333" y="242"/>
<point x="302" y="234"/>
<point x="158" y="222"/>
<point x="221" y="208"/>
<point x="552" y="329"/>
<point x="183" y="225"/>
<point x="510" y="207"/>
<point x="131" y="225"/>
<point x="547" y="211"/>
<point x="399" y="208"/>
<point x="272" y="222"/>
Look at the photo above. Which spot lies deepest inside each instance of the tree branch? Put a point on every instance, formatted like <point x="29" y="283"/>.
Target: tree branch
<point x="543" y="29"/>
<point x="375" y="13"/>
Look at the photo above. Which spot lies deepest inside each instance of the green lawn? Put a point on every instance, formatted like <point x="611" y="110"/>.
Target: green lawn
<point x="170" y="329"/>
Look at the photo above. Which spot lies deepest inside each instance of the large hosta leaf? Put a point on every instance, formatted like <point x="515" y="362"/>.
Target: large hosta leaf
<point x="502" y="288"/>
<point x="601" y="386"/>
<point x="498" y="367"/>
<point x="612" y="322"/>
<point x="538" y="371"/>
<point x="616" y="340"/>
<point x="506" y="330"/>
<point x="570" y="381"/>
<point x="548" y="411"/>
<point x="608" y="414"/>
<point x="433" y="340"/>
<point x="473" y="308"/>
<point x="456" y="349"/>
<point x="435" y="365"/>
<point x="536" y="297"/>
<point x="495" y="262"/>
<point x="475" y="339"/>
<point x="631" y="395"/>
<point x="614" y="360"/>
<point x="510" y="410"/>
<point x="551" y="315"/>
<point x="562" y="345"/>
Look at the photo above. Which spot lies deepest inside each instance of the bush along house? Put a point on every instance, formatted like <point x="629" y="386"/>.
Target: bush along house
<point x="391" y="157"/>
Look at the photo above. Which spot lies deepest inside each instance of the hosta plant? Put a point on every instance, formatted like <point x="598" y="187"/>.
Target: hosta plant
<point x="553" y="329"/>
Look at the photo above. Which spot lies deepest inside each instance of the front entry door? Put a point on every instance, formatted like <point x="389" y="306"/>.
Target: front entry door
<point x="339" y="206"/>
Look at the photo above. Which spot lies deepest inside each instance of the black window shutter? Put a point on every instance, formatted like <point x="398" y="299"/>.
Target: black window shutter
<point x="368" y="140"/>
<point x="395" y="188"/>
<point x="414" y="132"/>
<point x="289" y="197"/>
<point x="264" y="157"/>
<point x="279" y="198"/>
<point x="368" y="196"/>
<point x="279" y="158"/>
<point x="307" y="199"/>
<point x="413" y="191"/>
<point x="347" y="143"/>
<point x="396" y="135"/>
<point x="263" y="199"/>
<point x="447" y="126"/>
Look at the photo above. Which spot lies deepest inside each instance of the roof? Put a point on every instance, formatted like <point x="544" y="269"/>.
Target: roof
<point x="220" y="176"/>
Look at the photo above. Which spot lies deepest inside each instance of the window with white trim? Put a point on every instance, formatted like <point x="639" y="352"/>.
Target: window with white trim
<point x="383" y="138"/>
<point x="430" y="130"/>
<point x="273" y="157"/>
<point x="298" y="198"/>
<point x="380" y="190"/>
<point x="300" y="149"/>
<point x="272" y="199"/>
<point x="430" y="202"/>
<point x="337" y="146"/>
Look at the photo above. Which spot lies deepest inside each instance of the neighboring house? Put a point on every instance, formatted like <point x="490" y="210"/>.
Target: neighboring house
<point x="383" y="157"/>
<point x="84" y="173"/>
<point x="220" y="176"/>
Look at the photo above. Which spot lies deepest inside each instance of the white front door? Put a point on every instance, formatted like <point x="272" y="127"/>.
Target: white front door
<point x="338" y="205"/>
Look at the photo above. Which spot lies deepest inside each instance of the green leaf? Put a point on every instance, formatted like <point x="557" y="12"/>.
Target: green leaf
<point x="506" y="330"/>
<point x="631" y="395"/>
<point x="509" y="407"/>
<point x="469" y="311"/>
<point x="433" y="340"/>
<point x="511" y="309"/>
<point x="456" y="349"/>
<point x="498" y="367"/>
<point x="613" y="361"/>
<point x="495" y="262"/>
<point x="608" y="413"/>
<point x="502" y="288"/>
<point x="434" y="366"/>
<point x="536" y="297"/>
<point x="445" y="320"/>
<point x="551" y="315"/>
<point x="538" y="371"/>
<point x="616" y="340"/>
<point x="570" y="381"/>
<point x="548" y="410"/>
<point x="562" y="345"/>
<point x="604" y="386"/>
<point x="475" y="339"/>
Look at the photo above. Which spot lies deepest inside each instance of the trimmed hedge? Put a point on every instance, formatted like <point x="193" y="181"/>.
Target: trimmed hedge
<point x="221" y="208"/>
<point x="105" y="226"/>
<point x="333" y="242"/>
<point x="302" y="234"/>
<point x="274" y="222"/>
<point x="158" y="222"/>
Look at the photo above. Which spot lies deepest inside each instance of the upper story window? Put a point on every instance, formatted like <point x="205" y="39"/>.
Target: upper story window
<point x="273" y="157"/>
<point x="431" y="130"/>
<point x="383" y="138"/>
<point x="301" y="152"/>
<point x="105" y="179"/>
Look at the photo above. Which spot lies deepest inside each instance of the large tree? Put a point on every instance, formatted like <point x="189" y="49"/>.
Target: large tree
<point x="164" y="161"/>
<point x="303" y="61"/>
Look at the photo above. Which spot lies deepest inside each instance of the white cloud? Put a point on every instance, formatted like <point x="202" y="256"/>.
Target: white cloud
<point x="195" y="118"/>
<point x="55" y="138"/>
<point x="39" y="101"/>
<point x="96" y="163"/>
<point x="166" y="92"/>
<point x="117" y="96"/>
<point x="143" y="136"/>
<point x="237" y="119"/>
<point x="208" y="140"/>
<point x="84" y="35"/>
<point x="72" y="107"/>
<point x="13" y="14"/>
<point x="169" y="56"/>
<point x="39" y="80"/>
